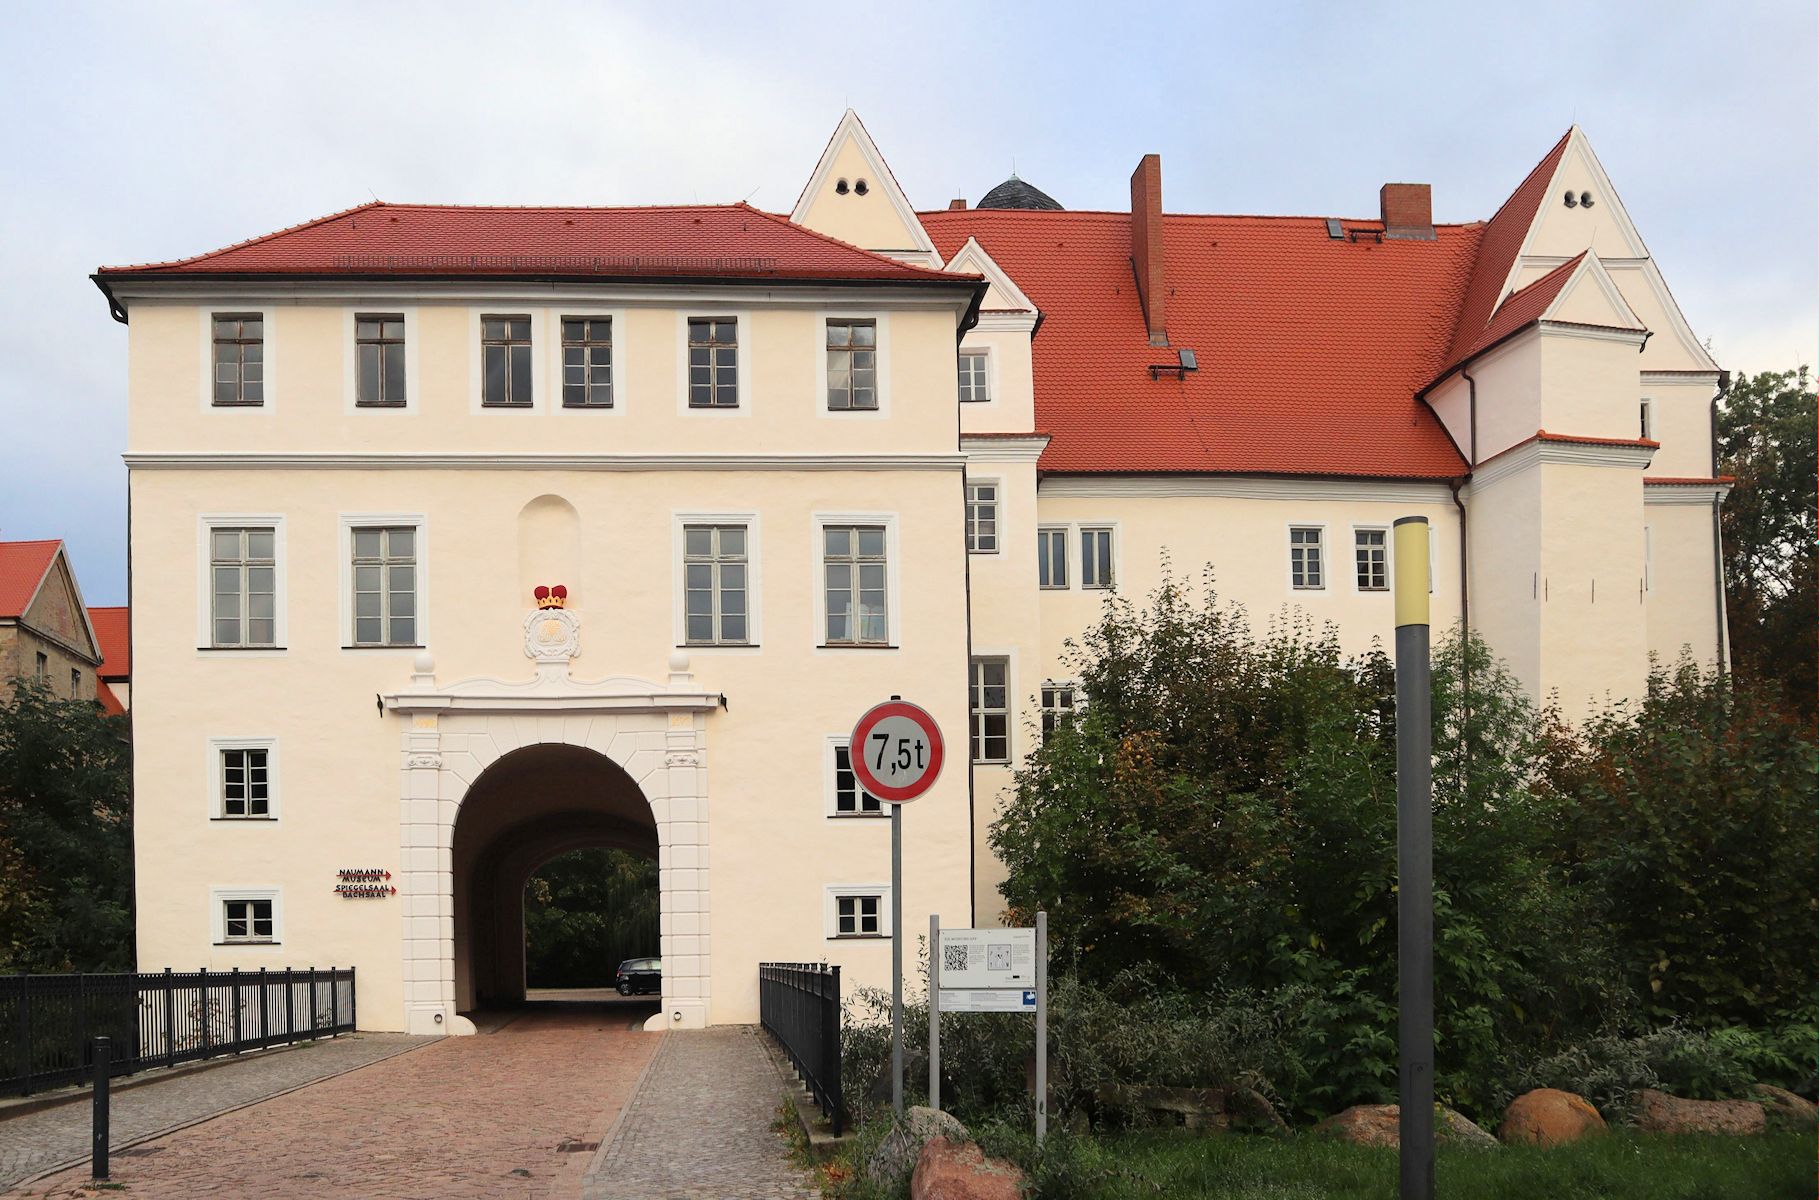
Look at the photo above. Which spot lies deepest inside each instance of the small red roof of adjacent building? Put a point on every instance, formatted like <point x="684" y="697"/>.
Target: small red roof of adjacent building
<point x="111" y="637"/>
<point x="417" y="240"/>
<point x="22" y="569"/>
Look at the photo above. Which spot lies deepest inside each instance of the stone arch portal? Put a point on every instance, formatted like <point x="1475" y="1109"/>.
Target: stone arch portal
<point x="599" y="750"/>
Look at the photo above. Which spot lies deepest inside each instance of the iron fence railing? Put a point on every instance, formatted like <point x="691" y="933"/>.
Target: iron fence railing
<point x="48" y="1022"/>
<point x="800" y="1004"/>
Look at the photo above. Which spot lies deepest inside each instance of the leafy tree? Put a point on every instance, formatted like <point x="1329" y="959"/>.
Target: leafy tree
<point x="584" y="913"/>
<point x="1767" y="429"/>
<point x="66" y="874"/>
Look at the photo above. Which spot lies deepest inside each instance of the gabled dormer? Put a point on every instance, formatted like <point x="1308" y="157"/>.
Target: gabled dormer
<point x="852" y="195"/>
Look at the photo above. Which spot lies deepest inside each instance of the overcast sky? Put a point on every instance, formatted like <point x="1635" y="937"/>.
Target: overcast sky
<point x="137" y="132"/>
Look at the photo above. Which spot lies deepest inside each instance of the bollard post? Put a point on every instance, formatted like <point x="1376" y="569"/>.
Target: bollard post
<point x="98" y="1131"/>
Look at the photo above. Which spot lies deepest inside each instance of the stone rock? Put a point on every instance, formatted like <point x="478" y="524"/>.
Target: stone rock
<point x="1380" y="1125"/>
<point x="901" y="1149"/>
<point x="1550" y="1117"/>
<point x="948" y="1170"/>
<point x="1786" y="1108"/>
<point x="1658" y="1112"/>
<point x="1205" y="1110"/>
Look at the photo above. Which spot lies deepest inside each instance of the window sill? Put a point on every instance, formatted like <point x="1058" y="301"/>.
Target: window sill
<point x="1053" y="587"/>
<point x="240" y="649"/>
<point x="587" y="407"/>
<point x="237" y="404"/>
<point x="392" y="404"/>
<point x="485" y="405"/>
<point x="991" y="762"/>
<point x="717" y="645"/>
<point x="858" y="937"/>
<point x="857" y="646"/>
<point x="1379" y="591"/>
<point x="247" y="820"/>
<point x="1097" y="587"/>
<point x="857" y="816"/>
<point x="251" y="942"/>
<point x="385" y="646"/>
<point x="990" y="552"/>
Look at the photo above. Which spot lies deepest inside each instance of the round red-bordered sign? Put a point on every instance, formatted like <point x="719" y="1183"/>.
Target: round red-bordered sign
<point x="896" y="751"/>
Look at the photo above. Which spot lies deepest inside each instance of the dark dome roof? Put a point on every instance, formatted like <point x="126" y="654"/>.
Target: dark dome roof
<point x="1014" y="193"/>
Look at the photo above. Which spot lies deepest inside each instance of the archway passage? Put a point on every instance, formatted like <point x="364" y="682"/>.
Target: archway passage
<point x="586" y="912"/>
<point x="527" y="808"/>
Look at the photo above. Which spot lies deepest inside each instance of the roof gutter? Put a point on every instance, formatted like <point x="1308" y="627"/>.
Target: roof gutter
<point x="114" y="308"/>
<point x="1724" y="386"/>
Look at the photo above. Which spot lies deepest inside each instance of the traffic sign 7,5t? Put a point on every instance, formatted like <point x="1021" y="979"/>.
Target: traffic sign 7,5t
<point x="896" y="751"/>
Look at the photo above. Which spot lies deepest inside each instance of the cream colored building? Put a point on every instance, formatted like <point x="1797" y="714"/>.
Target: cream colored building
<point x="465" y="537"/>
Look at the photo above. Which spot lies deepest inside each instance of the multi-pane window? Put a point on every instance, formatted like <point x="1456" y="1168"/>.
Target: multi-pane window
<point x="239" y="358"/>
<point x="849" y="798"/>
<point x="587" y="362"/>
<point x="385" y="586"/>
<point x="42" y="668"/>
<point x="379" y="355"/>
<point x="247" y="920"/>
<point x="1373" y="560"/>
<point x="713" y="362"/>
<point x="505" y="361"/>
<point x="982" y="518"/>
<point x="1051" y="557"/>
<point x="852" y="366"/>
<point x="1059" y="704"/>
<point x="715" y="585"/>
<point x="1095" y="558"/>
<point x="243" y="570"/>
<point x="855" y="566"/>
<point x="1307" y="557"/>
<point x="991" y="716"/>
<point x="246" y="782"/>
<point x="75" y="683"/>
<point x="1647" y="422"/>
<point x="974" y="387"/>
<point x="859" y="915"/>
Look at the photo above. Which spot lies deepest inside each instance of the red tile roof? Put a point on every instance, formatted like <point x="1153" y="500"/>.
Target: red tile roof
<point x="1310" y="348"/>
<point x="1522" y="309"/>
<point x="111" y="637"/>
<point x="1503" y="236"/>
<point x="110" y="703"/>
<point x="696" y="241"/>
<point x="22" y="569"/>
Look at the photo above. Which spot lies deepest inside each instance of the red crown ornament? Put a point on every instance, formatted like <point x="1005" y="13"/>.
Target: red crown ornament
<point x="551" y="597"/>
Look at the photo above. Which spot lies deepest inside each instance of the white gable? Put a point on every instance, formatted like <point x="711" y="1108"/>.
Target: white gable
<point x="1592" y="297"/>
<point x="852" y="195"/>
<point x="1001" y="293"/>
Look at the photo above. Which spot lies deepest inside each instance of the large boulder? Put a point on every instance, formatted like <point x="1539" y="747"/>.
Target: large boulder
<point x="1380" y="1125"/>
<point x="1658" y="1112"/>
<point x="1550" y="1117"/>
<point x="948" y="1170"/>
<point x="1786" y="1108"/>
<point x="897" y="1155"/>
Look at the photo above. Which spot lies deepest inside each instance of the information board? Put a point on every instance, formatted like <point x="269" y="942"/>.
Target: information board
<point x="974" y="959"/>
<point x="965" y="1000"/>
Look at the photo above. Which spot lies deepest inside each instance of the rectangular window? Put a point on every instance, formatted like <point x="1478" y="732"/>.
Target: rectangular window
<point x="974" y="388"/>
<point x="852" y="366"/>
<point x="1648" y="423"/>
<point x="1051" y="557"/>
<point x="587" y="362"/>
<point x="991" y="715"/>
<point x="1307" y="557"/>
<point x="855" y="576"/>
<point x="713" y="362"/>
<point x="715" y="585"/>
<point x="1373" y="560"/>
<point x="982" y="518"/>
<point x="859" y="915"/>
<point x="42" y="669"/>
<point x="505" y="361"/>
<point x="1059" y="704"/>
<point x="849" y="798"/>
<point x="244" y="570"/>
<point x="239" y="359"/>
<point x="385" y="586"/>
<point x="1095" y="558"/>
<point x="379" y="350"/>
<point x="247" y="920"/>
<point x="246" y="783"/>
<point x="75" y="683"/>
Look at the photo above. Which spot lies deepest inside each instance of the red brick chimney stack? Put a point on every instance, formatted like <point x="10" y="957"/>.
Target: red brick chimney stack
<point x="1146" y="245"/>
<point x="1408" y="211"/>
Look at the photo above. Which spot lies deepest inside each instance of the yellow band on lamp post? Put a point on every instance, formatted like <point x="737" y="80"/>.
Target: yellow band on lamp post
<point x="1410" y="559"/>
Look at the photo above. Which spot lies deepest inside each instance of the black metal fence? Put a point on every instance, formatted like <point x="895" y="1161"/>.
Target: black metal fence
<point x="47" y="1022"/>
<point x="800" y="1004"/>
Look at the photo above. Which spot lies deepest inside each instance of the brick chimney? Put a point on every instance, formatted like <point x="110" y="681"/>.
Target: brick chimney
<point x="1408" y="211"/>
<point x="956" y="203"/>
<point x="1146" y="245"/>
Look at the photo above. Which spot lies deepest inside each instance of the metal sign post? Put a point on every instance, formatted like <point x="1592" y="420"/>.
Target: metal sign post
<point x="934" y="1011"/>
<point x="1414" y="861"/>
<point x="989" y="970"/>
<point x="896" y="752"/>
<point x="98" y="1130"/>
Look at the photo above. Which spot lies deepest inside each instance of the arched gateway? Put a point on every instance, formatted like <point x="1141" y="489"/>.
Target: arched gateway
<point x="602" y="752"/>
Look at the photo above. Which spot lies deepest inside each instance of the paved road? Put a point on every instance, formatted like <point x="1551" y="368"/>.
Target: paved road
<point x="41" y="1140"/>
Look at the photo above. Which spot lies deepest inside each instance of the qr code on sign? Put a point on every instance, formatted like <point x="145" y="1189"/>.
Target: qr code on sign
<point x="954" y="958"/>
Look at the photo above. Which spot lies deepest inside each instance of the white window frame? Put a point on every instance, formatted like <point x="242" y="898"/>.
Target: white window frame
<point x="1066" y="533"/>
<point x="881" y="321"/>
<point x="350" y="360"/>
<point x="1043" y="710"/>
<point x="991" y="374"/>
<point x="832" y="744"/>
<point x="476" y="359"/>
<point x="587" y="312"/>
<point x="348" y="523"/>
<point x="742" y="316"/>
<point x="217" y="803"/>
<point x="1326" y="556"/>
<point x="830" y="911"/>
<point x="754" y="578"/>
<point x="893" y="580"/>
<point x="218" y="897"/>
<point x="997" y="513"/>
<point x="1010" y="706"/>
<point x="1647" y="412"/>
<point x="268" y="357"/>
<point x="1389" y="561"/>
<point x="206" y="524"/>
<point x="1110" y="528"/>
